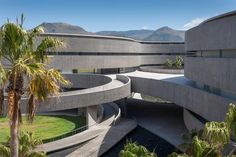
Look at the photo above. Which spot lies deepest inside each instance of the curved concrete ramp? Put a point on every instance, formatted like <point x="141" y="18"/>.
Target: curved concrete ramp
<point x="179" y="90"/>
<point x="111" y="89"/>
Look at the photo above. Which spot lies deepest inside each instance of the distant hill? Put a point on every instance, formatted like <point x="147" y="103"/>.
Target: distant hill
<point x="166" y="34"/>
<point x="63" y="28"/>
<point x="135" y="34"/>
<point x="161" y="34"/>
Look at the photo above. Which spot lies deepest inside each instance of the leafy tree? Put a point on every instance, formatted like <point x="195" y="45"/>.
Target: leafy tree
<point x="132" y="149"/>
<point x="27" y="144"/>
<point x="25" y="60"/>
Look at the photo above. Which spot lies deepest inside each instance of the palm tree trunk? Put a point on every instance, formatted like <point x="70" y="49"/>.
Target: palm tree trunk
<point x="14" y="141"/>
<point x="13" y="105"/>
<point x="1" y="101"/>
<point x="15" y="91"/>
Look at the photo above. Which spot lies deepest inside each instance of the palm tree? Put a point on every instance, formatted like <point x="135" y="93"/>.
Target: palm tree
<point x="25" y="60"/>
<point x="3" y="78"/>
<point x="27" y="143"/>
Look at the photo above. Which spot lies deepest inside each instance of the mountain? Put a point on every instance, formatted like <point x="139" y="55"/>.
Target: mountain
<point x="166" y="34"/>
<point x="161" y="34"/>
<point x="135" y="34"/>
<point x="63" y="28"/>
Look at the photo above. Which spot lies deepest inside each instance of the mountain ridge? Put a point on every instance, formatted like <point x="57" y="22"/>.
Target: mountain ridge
<point x="162" y="34"/>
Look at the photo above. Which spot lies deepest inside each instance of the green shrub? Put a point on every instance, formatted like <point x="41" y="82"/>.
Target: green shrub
<point x="179" y="62"/>
<point x="174" y="154"/>
<point x="27" y="144"/>
<point x="216" y="134"/>
<point x="176" y="64"/>
<point x="168" y="63"/>
<point x="132" y="149"/>
<point x="231" y="121"/>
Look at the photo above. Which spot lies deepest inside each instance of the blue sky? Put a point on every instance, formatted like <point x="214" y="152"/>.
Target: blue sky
<point x="98" y="15"/>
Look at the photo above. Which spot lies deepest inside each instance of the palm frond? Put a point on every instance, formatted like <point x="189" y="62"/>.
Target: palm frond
<point x="47" y="44"/>
<point x="4" y="151"/>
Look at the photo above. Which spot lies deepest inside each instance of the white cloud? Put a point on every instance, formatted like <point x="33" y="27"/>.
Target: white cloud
<point x="194" y="23"/>
<point x="144" y="27"/>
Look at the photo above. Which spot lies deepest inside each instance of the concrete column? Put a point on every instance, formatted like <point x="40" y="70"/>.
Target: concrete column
<point x="92" y="115"/>
<point x="191" y="122"/>
<point x="122" y="105"/>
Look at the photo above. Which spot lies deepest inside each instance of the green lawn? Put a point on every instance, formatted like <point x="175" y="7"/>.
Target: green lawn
<point x="44" y="127"/>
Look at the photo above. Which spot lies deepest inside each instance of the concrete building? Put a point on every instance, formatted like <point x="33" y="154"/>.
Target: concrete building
<point x="204" y="91"/>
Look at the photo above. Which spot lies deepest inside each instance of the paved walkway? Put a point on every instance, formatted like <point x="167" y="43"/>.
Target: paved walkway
<point x="175" y="78"/>
<point x="108" y="138"/>
<point x="164" y="120"/>
<point x="84" y="136"/>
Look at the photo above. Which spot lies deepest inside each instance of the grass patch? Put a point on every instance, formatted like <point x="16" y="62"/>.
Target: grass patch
<point x="44" y="127"/>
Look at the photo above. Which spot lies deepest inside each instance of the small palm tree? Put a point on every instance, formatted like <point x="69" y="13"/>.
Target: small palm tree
<point x="25" y="60"/>
<point x="27" y="144"/>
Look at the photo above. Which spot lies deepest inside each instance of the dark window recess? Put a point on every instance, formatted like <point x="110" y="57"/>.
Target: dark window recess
<point x="114" y="54"/>
<point x="75" y="71"/>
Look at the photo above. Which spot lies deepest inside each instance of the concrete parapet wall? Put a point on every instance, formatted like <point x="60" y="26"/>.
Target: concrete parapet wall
<point x="87" y="80"/>
<point x="109" y="44"/>
<point x="126" y="52"/>
<point x="210" y="106"/>
<point x="156" y="69"/>
<point x="67" y="63"/>
<point x="214" y="34"/>
<point x="216" y="72"/>
<point x="112" y="91"/>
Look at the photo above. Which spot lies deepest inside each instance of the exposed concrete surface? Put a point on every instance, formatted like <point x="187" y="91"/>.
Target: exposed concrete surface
<point x="108" y="138"/>
<point x="118" y="88"/>
<point x="160" y="69"/>
<point x="164" y="120"/>
<point x="70" y="141"/>
<point x="106" y="44"/>
<point x="93" y="131"/>
<point x="68" y="62"/>
<point x="216" y="72"/>
<point x="179" y="90"/>
<point x="136" y="52"/>
<point x="216" y="34"/>
<point x="92" y="115"/>
<point x="191" y="122"/>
